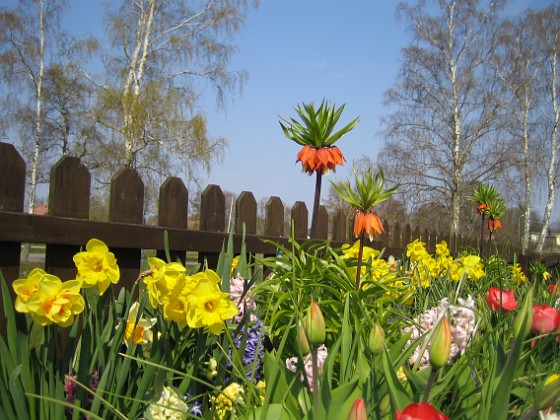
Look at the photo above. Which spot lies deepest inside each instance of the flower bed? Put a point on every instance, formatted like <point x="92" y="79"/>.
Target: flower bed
<point x="424" y="336"/>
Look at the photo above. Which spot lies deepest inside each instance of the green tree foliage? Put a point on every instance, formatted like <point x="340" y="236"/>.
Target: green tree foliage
<point x="163" y="53"/>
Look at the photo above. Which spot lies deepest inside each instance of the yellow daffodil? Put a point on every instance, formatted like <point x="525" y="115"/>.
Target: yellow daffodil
<point x="163" y="279"/>
<point x="97" y="266"/>
<point x="175" y="308"/>
<point x="442" y="250"/>
<point x="471" y="267"/>
<point x="56" y="302"/>
<point x="352" y="251"/>
<point x="138" y="330"/>
<point x="208" y="306"/>
<point x="25" y="288"/>
<point x="416" y="250"/>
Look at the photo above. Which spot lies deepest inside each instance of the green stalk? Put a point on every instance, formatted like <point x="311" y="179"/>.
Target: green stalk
<point x="481" y="234"/>
<point x="360" y="257"/>
<point x="315" y="382"/>
<point x="316" y="202"/>
<point x="429" y="385"/>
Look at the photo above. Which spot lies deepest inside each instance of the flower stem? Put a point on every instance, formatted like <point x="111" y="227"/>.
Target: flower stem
<point x="360" y="257"/>
<point x="481" y="234"/>
<point x="315" y="366"/>
<point x="431" y="379"/>
<point x="316" y="202"/>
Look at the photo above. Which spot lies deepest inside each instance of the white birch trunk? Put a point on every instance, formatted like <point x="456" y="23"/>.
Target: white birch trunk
<point x="526" y="214"/>
<point x="38" y="117"/>
<point x="457" y="167"/>
<point x="134" y="78"/>
<point x="551" y="173"/>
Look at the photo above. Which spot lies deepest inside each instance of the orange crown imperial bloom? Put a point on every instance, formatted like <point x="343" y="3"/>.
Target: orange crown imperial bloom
<point x="321" y="159"/>
<point x="481" y="208"/>
<point x="494" y="224"/>
<point x="368" y="223"/>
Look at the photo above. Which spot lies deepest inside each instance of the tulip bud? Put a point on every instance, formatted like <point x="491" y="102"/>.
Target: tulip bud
<point x="440" y="349"/>
<point x="376" y="339"/>
<point x="524" y="318"/>
<point x="302" y="337"/>
<point x="358" y="411"/>
<point x="315" y="325"/>
<point x="549" y="392"/>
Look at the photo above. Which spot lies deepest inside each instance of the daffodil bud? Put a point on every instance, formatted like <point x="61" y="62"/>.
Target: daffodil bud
<point x="358" y="410"/>
<point x="315" y="325"/>
<point x="440" y="348"/>
<point x="376" y="339"/>
<point x="548" y="392"/>
<point x="302" y="337"/>
<point x="524" y="318"/>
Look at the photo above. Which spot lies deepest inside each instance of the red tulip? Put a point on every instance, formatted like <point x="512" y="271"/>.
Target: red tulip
<point x="358" y="410"/>
<point x="420" y="411"/>
<point x="507" y="299"/>
<point x="545" y="319"/>
<point x="554" y="288"/>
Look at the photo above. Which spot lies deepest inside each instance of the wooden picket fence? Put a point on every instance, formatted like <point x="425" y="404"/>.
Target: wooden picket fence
<point x="67" y="227"/>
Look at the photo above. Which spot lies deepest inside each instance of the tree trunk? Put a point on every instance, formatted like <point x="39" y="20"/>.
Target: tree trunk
<point x="38" y="117"/>
<point x="552" y="175"/>
<point x="526" y="214"/>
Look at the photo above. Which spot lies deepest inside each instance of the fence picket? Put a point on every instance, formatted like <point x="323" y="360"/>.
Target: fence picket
<point x="69" y="195"/>
<point x="126" y="205"/>
<point x="173" y="212"/>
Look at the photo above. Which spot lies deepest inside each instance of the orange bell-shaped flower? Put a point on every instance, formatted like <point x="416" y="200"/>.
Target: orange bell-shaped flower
<point x="494" y="224"/>
<point x="319" y="159"/>
<point x="367" y="223"/>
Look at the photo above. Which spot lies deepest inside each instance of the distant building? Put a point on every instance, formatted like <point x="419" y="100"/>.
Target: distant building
<point x="41" y="209"/>
<point x="551" y="241"/>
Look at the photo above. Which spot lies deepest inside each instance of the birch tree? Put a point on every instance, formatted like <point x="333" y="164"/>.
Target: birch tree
<point x="518" y="65"/>
<point x="164" y="53"/>
<point x="442" y="138"/>
<point x="547" y="24"/>
<point x="24" y="42"/>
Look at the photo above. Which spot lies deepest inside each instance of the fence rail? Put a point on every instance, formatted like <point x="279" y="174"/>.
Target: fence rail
<point x="67" y="227"/>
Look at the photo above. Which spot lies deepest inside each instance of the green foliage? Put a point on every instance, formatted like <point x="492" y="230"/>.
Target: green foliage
<point x="369" y="187"/>
<point x="500" y="373"/>
<point x="316" y="128"/>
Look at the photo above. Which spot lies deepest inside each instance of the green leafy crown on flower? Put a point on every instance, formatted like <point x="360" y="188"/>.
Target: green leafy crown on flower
<point x="484" y="194"/>
<point x="496" y="208"/>
<point x="317" y="125"/>
<point x="369" y="189"/>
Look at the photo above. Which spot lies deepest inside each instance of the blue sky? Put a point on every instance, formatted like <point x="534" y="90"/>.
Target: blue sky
<point x="296" y="51"/>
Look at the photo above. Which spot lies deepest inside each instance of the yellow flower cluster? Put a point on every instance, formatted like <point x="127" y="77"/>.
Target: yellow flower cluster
<point x="427" y="266"/>
<point x="517" y="275"/>
<point x="196" y="300"/>
<point x="377" y="269"/>
<point x="47" y="299"/>
<point x="372" y="266"/>
<point x="231" y="394"/>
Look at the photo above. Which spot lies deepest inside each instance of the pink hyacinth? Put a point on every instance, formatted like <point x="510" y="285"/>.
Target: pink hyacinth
<point x="292" y="364"/>
<point x="462" y="322"/>
<point x="243" y="300"/>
